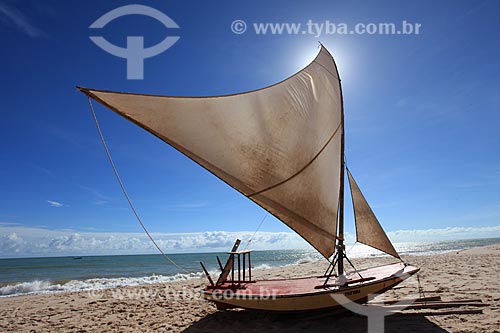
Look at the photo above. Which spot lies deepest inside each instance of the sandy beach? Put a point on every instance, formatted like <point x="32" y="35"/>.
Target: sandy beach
<point x="176" y="307"/>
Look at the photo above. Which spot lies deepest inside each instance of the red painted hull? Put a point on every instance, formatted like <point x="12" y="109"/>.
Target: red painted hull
<point x="308" y="294"/>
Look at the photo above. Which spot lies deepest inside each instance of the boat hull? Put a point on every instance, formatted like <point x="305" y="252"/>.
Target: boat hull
<point x="308" y="294"/>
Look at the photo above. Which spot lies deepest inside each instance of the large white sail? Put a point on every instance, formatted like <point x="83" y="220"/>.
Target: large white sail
<point x="368" y="229"/>
<point x="279" y="146"/>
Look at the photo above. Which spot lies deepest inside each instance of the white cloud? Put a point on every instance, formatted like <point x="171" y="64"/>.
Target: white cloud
<point x="2" y="223"/>
<point x="21" y="241"/>
<point x="12" y="243"/>
<point x="32" y="241"/>
<point x="12" y="17"/>
<point x="186" y="206"/>
<point x="100" y="199"/>
<point x="448" y="233"/>
<point x="55" y="203"/>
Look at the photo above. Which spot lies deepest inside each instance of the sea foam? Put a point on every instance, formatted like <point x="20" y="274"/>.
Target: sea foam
<point x="44" y="287"/>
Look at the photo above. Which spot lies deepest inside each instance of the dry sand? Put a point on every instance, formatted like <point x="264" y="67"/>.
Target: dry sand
<point x="175" y="307"/>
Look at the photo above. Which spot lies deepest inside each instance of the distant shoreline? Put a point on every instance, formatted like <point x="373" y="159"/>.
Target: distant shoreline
<point x="494" y="240"/>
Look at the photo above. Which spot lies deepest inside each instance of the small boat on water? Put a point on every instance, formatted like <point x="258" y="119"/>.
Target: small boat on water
<point x="283" y="148"/>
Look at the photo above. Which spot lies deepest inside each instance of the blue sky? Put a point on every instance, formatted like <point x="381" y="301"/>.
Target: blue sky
<point x="422" y="115"/>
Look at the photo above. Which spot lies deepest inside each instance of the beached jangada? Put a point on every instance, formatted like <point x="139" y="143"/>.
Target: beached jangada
<point x="283" y="148"/>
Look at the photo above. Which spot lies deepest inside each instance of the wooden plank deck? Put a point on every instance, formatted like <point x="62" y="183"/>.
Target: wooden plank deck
<point x="309" y="284"/>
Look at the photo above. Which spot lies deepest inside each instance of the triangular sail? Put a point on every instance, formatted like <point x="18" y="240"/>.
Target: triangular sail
<point x="279" y="146"/>
<point x="368" y="229"/>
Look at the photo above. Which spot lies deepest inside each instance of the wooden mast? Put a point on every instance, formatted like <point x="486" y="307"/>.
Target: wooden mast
<point x="340" y="244"/>
<point x="340" y="237"/>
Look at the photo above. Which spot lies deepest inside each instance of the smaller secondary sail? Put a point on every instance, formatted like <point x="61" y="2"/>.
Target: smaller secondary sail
<point x="368" y="229"/>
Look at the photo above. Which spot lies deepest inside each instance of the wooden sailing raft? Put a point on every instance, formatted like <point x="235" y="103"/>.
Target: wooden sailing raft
<point x="243" y="140"/>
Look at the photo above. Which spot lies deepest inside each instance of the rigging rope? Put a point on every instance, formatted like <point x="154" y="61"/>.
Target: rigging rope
<point x="248" y="243"/>
<point x="125" y="192"/>
<point x="356" y="242"/>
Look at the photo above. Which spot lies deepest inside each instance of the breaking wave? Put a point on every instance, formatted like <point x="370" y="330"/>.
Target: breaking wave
<point x="44" y="287"/>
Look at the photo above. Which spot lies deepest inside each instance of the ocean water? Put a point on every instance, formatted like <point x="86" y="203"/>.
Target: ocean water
<point x="60" y="274"/>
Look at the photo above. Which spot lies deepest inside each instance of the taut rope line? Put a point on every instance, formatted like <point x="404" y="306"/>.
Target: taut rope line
<point x="125" y="192"/>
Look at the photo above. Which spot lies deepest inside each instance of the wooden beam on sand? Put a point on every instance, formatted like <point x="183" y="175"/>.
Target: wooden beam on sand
<point x="443" y="305"/>
<point x="417" y="300"/>
<point x="444" y="313"/>
<point x="440" y="305"/>
<point x="433" y="302"/>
